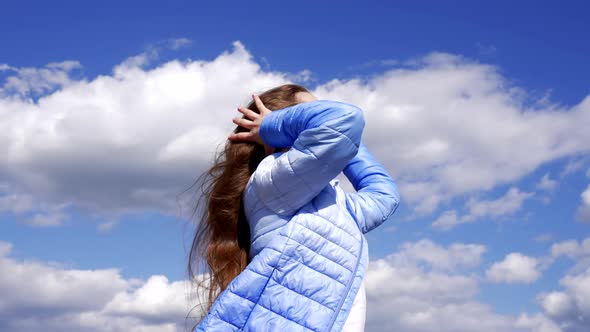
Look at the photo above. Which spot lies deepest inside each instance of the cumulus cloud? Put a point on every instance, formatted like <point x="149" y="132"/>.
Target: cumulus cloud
<point x="515" y="268"/>
<point x="447" y="221"/>
<point x="570" y="307"/>
<point x="456" y="256"/>
<point x="455" y="124"/>
<point x="52" y="297"/>
<point x="505" y="205"/>
<point x="126" y="143"/>
<point x="422" y="287"/>
<point x="578" y="251"/>
<point x="571" y="248"/>
<point x="26" y="81"/>
<point x="131" y="141"/>
<point x="426" y="287"/>
<point x="537" y="323"/>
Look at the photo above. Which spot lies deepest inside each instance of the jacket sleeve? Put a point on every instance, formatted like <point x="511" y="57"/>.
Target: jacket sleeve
<point x="322" y="136"/>
<point x="377" y="196"/>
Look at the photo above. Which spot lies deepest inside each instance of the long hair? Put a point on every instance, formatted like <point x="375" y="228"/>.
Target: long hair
<point x="222" y="236"/>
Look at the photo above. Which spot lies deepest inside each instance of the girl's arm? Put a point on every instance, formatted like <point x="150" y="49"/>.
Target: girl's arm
<point x="323" y="136"/>
<point x="377" y="196"/>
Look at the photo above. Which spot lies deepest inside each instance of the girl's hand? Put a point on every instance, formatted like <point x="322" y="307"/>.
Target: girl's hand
<point x="251" y="121"/>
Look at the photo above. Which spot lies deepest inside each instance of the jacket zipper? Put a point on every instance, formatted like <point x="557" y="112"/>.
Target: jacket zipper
<point x="337" y="312"/>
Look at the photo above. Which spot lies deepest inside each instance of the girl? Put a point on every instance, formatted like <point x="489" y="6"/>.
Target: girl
<point x="284" y="243"/>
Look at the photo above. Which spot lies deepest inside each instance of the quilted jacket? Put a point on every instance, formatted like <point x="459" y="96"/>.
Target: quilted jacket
<point x="308" y="248"/>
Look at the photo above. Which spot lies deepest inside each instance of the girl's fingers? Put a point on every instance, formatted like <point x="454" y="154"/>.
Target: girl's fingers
<point x="248" y="112"/>
<point x="250" y="121"/>
<point x="243" y="123"/>
<point x="259" y="104"/>
<point x="242" y="136"/>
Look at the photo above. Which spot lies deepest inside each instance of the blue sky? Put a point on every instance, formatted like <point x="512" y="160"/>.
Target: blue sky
<point x="476" y="109"/>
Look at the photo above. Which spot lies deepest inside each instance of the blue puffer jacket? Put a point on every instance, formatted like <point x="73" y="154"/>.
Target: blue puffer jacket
<point x="309" y="252"/>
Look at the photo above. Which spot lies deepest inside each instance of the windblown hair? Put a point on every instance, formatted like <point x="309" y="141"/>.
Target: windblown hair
<point x="222" y="236"/>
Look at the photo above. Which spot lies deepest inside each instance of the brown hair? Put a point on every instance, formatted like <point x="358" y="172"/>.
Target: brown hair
<point x="222" y="236"/>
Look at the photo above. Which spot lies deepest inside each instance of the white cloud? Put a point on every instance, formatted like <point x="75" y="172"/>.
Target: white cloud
<point x="179" y="43"/>
<point x="53" y="297"/>
<point x="506" y="205"/>
<point x="130" y="141"/>
<point x="34" y="212"/>
<point x="16" y="203"/>
<point x="53" y="216"/>
<point x="31" y="285"/>
<point x="573" y="165"/>
<point x="157" y="300"/>
<point x="583" y="212"/>
<point x="515" y="268"/>
<point x="557" y="304"/>
<point x="30" y="80"/>
<point x="454" y="257"/>
<point x="570" y="307"/>
<point x="103" y="145"/>
<point x="571" y="248"/>
<point x="574" y="250"/>
<point x="447" y="221"/>
<point x="423" y="287"/>
<point x="5" y="248"/>
<point x="546" y="183"/>
<point x="509" y="203"/>
<point x="537" y="323"/>
<point x="426" y="287"/>
<point x="457" y="127"/>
